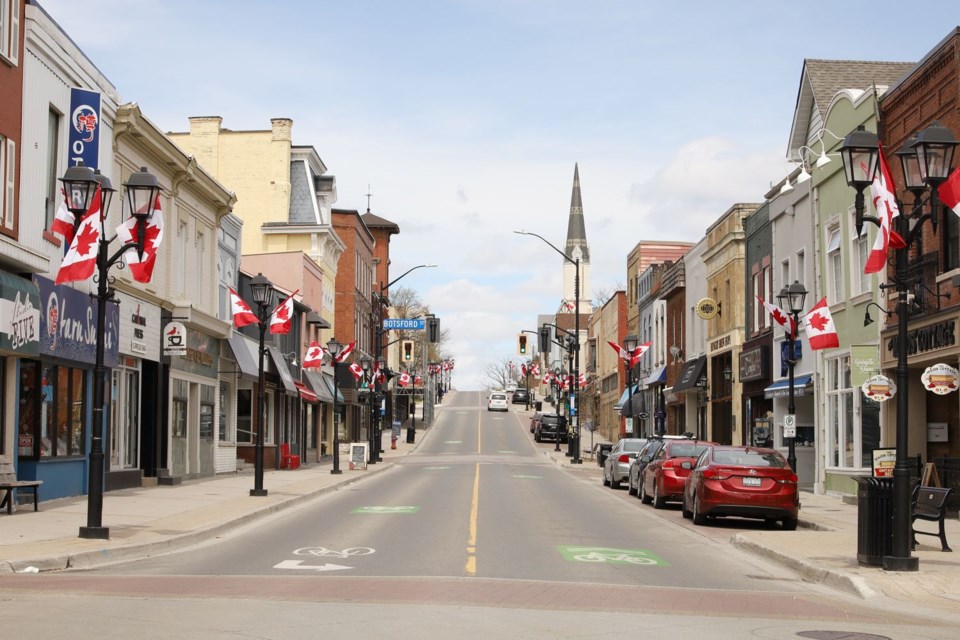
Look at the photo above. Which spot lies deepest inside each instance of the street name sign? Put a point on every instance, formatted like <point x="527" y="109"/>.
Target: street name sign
<point x="412" y="324"/>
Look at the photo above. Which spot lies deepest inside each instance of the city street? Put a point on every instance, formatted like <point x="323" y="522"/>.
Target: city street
<point x="478" y="517"/>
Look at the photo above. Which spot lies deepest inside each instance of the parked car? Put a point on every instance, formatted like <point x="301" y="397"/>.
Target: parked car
<point x="643" y="459"/>
<point x="617" y="465"/>
<point x="497" y="401"/>
<point x="748" y="482"/>
<point x="520" y="396"/>
<point x="551" y="427"/>
<point x="534" y="421"/>
<point x="663" y="478"/>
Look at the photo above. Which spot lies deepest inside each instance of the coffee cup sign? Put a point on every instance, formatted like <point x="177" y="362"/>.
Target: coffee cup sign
<point x="940" y="379"/>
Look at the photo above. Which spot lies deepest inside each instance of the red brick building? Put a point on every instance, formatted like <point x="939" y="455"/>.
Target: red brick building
<point x="11" y="106"/>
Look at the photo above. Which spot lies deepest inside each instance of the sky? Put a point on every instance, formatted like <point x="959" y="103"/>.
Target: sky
<point x="464" y="118"/>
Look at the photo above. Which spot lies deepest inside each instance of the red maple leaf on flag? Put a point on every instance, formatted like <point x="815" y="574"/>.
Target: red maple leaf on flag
<point x="86" y="238"/>
<point x="818" y="322"/>
<point x="150" y="234"/>
<point x="779" y="317"/>
<point x="283" y="312"/>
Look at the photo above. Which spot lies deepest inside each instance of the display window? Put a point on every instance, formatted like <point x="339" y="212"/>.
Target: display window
<point x="52" y="411"/>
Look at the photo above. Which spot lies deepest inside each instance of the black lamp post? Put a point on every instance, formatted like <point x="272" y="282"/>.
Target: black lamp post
<point x="80" y="184"/>
<point x="261" y="289"/>
<point x="557" y="377"/>
<point x="791" y="300"/>
<point x="526" y="383"/>
<point x="630" y="343"/>
<point x="365" y="365"/>
<point x="926" y="162"/>
<point x="334" y="348"/>
<point x="575" y="413"/>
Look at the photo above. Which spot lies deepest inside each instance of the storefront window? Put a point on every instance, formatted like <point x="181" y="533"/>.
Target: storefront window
<point x="851" y="441"/>
<point x="52" y="420"/>
<point x="207" y="399"/>
<point x="226" y="397"/>
<point x="125" y="415"/>
<point x="245" y="416"/>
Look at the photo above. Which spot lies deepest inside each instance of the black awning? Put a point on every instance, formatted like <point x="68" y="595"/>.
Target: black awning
<point x="245" y="353"/>
<point x="280" y="364"/>
<point x="692" y="371"/>
<point x="634" y="406"/>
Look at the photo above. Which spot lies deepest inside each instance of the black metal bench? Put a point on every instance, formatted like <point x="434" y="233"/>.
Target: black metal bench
<point x="8" y="481"/>
<point x="930" y="503"/>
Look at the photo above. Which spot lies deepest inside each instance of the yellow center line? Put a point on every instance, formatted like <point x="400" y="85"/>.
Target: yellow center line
<point x="471" y="568"/>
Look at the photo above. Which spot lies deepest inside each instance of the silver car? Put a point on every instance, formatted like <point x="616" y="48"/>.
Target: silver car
<point x="617" y="465"/>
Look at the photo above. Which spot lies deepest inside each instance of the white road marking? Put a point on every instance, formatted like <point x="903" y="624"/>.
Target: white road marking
<point x="298" y="564"/>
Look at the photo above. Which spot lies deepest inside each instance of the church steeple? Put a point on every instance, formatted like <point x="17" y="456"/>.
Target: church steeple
<point x="577" y="247"/>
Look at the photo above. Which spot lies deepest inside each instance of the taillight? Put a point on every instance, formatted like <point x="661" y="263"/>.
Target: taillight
<point x="624" y="458"/>
<point x="791" y="479"/>
<point x="716" y="474"/>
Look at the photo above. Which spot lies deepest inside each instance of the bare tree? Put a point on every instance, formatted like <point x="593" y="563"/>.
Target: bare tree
<point x="500" y="374"/>
<point x="602" y="295"/>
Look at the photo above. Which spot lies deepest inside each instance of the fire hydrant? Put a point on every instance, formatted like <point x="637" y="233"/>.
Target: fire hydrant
<point x="393" y="442"/>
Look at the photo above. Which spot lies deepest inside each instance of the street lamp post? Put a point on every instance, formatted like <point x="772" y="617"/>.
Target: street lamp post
<point x="791" y="300"/>
<point x="81" y="186"/>
<point x="334" y="348"/>
<point x="575" y="259"/>
<point x="557" y="373"/>
<point x="261" y="290"/>
<point x="926" y="161"/>
<point x="630" y="343"/>
<point x="365" y="365"/>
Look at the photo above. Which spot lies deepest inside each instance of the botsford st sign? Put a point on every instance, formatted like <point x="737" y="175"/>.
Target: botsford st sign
<point x="414" y="324"/>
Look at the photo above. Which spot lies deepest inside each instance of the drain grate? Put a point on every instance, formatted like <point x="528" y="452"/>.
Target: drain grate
<point x="840" y="635"/>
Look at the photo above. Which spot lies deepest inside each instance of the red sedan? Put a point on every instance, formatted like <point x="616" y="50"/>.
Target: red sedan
<point x="748" y="482"/>
<point x="663" y="478"/>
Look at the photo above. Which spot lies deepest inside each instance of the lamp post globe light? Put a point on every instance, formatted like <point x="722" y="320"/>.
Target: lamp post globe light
<point x="334" y="348"/>
<point x="791" y="300"/>
<point x="630" y="343"/>
<point x="261" y="290"/>
<point x="926" y="161"/>
<point x="142" y="190"/>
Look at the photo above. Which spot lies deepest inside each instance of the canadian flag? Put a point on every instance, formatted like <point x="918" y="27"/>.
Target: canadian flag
<point x="569" y="306"/>
<point x="821" y="332"/>
<point x="583" y="380"/>
<point x="141" y="266"/>
<point x="314" y="357"/>
<point x="242" y="315"/>
<point x="535" y="371"/>
<point x="417" y="380"/>
<point x="378" y="373"/>
<point x="949" y="191"/>
<point x="523" y="370"/>
<point x="80" y="261"/>
<point x="356" y="370"/>
<point x="779" y="316"/>
<point x="404" y="380"/>
<point x="280" y="319"/>
<point x="346" y="351"/>
<point x="885" y="202"/>
<point x="633" y="358"/>
<point x="64" y="222"/>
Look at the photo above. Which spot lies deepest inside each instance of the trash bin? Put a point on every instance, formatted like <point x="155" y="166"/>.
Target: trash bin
<point x="538" y="405"/>
<point x="603" y="450"/>
<point x="570" y="442"/>
<point x="874" y="519"/>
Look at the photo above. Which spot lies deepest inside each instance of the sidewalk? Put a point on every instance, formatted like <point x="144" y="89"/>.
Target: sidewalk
<point x="150" y="520"/>
<point x="823" y="550"/>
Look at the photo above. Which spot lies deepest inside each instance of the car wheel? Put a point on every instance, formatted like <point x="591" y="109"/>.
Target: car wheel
<point x="658" y="502"/>
<point x="606" y="482"/>
<point x="614" y="484"/>
<point x="537" y="437"/>
<point x="789" y="524"/>
<point x="642" y="491"/>
<point x="686" y="513"/>
<point x="698" y="518"/>
<point x="631" y="490"/>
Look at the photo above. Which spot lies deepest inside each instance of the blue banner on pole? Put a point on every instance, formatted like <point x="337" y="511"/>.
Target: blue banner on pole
<point x="84" y="127"/>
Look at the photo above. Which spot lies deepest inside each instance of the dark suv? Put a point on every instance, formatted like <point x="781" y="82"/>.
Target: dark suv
<point x="551" y="427"/>
<point x="520" y="396"/>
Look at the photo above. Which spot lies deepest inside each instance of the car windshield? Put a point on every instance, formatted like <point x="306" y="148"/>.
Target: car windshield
<point x="686" y="450"/>
<point x="498" y="396"/>
<point x="633" y="446"/>
<point x="749" y="458"/>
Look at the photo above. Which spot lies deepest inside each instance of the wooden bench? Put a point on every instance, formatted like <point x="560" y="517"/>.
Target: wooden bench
<point x="8" y="481"/>
<point x="930" y="503"/>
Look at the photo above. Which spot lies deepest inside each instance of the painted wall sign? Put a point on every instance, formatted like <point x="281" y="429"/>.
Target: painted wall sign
<point x="879" y="388"/>
<point x="941" y="335"/>
<point x="19" y="315"/>
<point x="864" y="363"/>
<point x="707" y="308"/>
<point x="84" y="127"/>
<point x="68" y="324"/>
<point x="753" y="364"/>
<point x="940" y="378"/>
<point x="720" y="343"/>
<point x="139" y="327"/>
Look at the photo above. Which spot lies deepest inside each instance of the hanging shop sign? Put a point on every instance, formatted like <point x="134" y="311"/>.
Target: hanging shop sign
<point x="175" y="339"/>
<point x="707" y="308"/>
<point x="864" y="363"/>
<point x="940" y="378"/>
<point x="68" y="324"/>
<point x="879" y="388"/>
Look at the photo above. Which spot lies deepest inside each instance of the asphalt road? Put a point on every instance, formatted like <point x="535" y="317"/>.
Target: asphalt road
<point x="479" y="518"/>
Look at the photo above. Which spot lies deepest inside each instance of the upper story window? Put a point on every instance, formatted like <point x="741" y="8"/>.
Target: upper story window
<point x="834" y="265"/>
<point x="10" y="31"/>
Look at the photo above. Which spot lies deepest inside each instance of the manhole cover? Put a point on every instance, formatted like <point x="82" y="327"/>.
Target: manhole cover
<point x="840" y="635"/>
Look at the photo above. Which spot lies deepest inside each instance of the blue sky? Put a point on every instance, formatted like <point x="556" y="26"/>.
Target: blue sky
<point x="466" y="117"/>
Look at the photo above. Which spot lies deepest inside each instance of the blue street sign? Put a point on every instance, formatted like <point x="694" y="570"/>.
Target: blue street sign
<point x="417" y="324"/>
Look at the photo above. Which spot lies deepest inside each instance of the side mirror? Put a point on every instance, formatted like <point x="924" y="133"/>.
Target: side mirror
<point x="686" y="464"/>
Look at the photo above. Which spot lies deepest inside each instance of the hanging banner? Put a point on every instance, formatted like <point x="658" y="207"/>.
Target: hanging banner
<point x="84" y="127"/>
<point x="879" y="388"/>
<point x="864" y="363"/>
<point x="940" y="378"/>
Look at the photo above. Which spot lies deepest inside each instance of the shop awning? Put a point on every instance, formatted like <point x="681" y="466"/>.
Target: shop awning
<point x="305" y="394"/>
<point x="657" y="376"/>
<point x="634" y="407"/>
<point x="245" y="353"/>
<point x="280" y="364"/>
<point x="623" y="398"/>
<point x="802" y="386"/>
<point x="317" y="382"/>
<point x="19" y="315"/>
<point x="692" y="371"/>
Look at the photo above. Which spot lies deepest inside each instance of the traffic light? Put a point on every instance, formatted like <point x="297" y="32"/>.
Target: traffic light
<point x="407" y="348"/>
<point x="522" y="344"/>
<point x="545" y="338"/>
<point x="433" y="329"/>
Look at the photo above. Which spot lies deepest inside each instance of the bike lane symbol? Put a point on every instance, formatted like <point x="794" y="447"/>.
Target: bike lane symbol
<point x="606" y="555"/>
<point x="323" y="552"/>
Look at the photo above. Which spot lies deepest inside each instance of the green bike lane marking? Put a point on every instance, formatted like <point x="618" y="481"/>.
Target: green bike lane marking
<point x="404" y="509"/>
<point x="607" y="555"/>
<point x="528" y="477"/>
